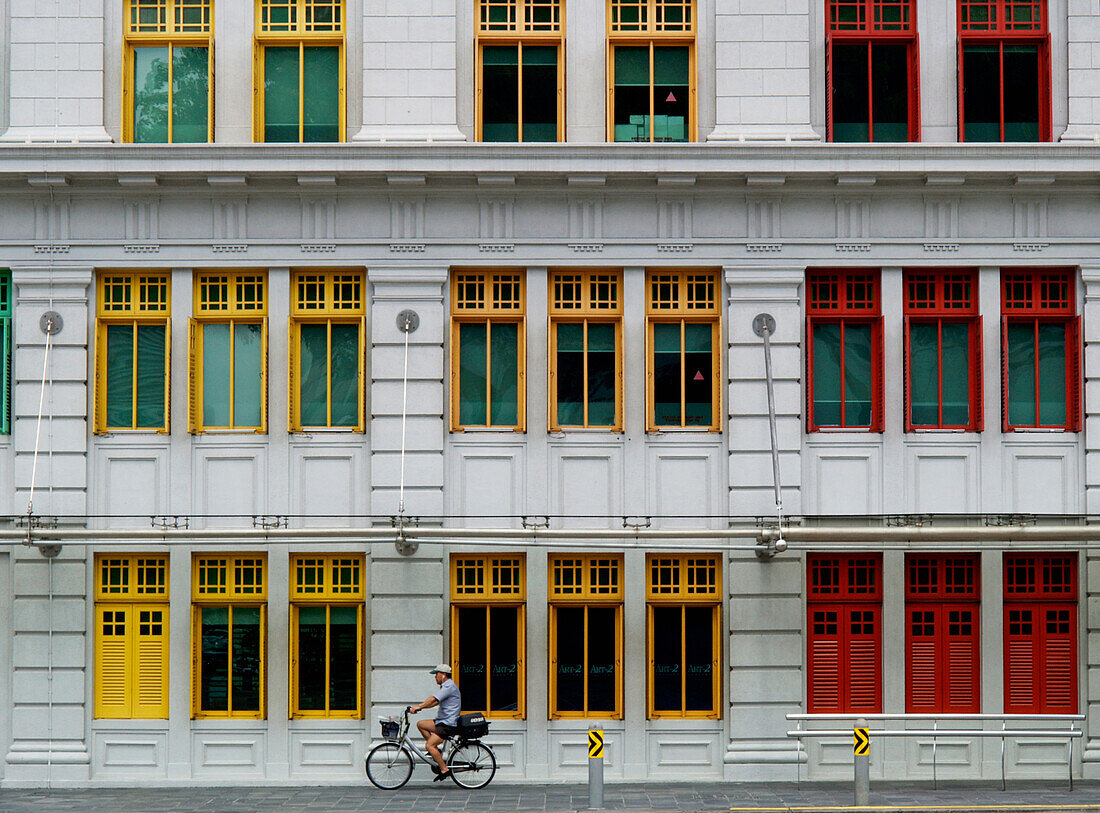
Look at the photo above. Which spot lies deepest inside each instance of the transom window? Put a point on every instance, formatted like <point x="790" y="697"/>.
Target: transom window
<point x="683" y="333"/>
<point x="488" y="364"/>
<point x="943" y="350"/>
<point x="652" y="70"/>
<point x="168" y="71"/>
<point x="327" y="349"/>
<point x="133" y="351"/>
<point x="228" y="350"/>
<point x="299" y="71"/>
<point x="1002" y="15"/>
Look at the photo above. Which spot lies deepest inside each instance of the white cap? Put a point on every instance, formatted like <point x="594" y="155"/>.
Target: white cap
<point x="442" y="668"/>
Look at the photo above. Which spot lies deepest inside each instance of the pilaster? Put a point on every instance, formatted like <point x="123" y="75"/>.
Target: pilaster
<point x="1083" y="72"/>
<point x="409" y="72"/>
<point x="1090" y="749"/>
<point x="55" y="76"/>
<point x="762" y="71"/>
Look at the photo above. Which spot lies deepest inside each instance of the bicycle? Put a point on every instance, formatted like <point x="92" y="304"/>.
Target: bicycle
<point x="389" y="764"/>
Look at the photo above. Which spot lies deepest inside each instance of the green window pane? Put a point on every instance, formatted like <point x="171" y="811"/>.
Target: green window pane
<point x="601" y="659"/>
<point x="214" y="657"/>
<point x="190" y="95"/>
<point x="667" y="658"/>
<point x="956" y="373"/>
<point x="120" y="375"/>
<point x="850" y="107"/>
<point x="345" y="375"/>
<point x="247" y="374"/>
<point x="601" y="375"/>
<point x="924" y="374"/>
<point x="313" y="361"/>
<point x="981" y="92"/>
<point x="632" y="94"/>
<point x="1021" y="100"/>
<point x="825" y="384"/>
<point x="699" y="659"/>
<point x="472" y="406"/>
<point x="699" y="375"/>
<point x="311" y="658"/>
<point x="569" y="659"/>
<point x="247" y="657"/>
<point x="1052" y="375"/>
<point x="343" y="659"/>
<point x="215" y="374"/>
<point x="500" y="93"/>
<point x="540" y="93"/>
<point x="890" y="80"/>
<point x="151" y="95"/>
<point x="671" y="94"/>
<point x="857" y="375"/>
<point x="570" y="374"/>
<point x="1021" y="374"/>
<point x="321" y="75"/>
<point x="281" y="88"/>
<point x="473" y="647"/>
<point x="504" y="364"/>
<point x="150" y="376"/>
<point x="667" y="374"/>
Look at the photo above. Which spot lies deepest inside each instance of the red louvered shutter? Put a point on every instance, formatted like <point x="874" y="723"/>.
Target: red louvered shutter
<point x="824" y="675"/>
<point x="914" y="90"/>
<point x="977" y="396"/>
<point x="828" y="87"/>
<point x="1073" y="370"/>
<point x="878" y="406"/>
<point x="1004" y="374"/>
<point x="907" y="401"/>
<point x="921" y="682"/>
<point x="1059" y="658"/>
<point x="862" y="651"/>
<point x="810" y="427"/>
<point x="961" y="664"/>
<point x="1021" y="674"/>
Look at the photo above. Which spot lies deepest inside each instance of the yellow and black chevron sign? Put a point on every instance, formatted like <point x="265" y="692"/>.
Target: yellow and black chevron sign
<point x="862" y="745"/>
<point x="595" y="744"/>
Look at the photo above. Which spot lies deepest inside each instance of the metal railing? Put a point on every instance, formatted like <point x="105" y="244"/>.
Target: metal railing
<point x="1069" y="734"/>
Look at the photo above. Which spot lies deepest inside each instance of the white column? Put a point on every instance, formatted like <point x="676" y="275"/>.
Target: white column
<point x="586" y="71"/>
<point x="234" y="23"/>
<point x="1090" y="279"/>
<point x="1084" y="72"/>
<point x="765" y="615"/>
<point x="409" y="72"/>
<point x="762" y="71"/>
<point x="55" y="79"/>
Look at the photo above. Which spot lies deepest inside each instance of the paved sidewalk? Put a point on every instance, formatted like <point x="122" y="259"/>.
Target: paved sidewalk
<point x="696" y="797"/>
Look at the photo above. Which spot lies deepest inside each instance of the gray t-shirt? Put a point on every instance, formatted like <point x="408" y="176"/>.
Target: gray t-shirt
<point x="450" y="703"/>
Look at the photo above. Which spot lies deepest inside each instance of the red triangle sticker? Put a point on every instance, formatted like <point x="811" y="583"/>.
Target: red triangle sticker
<point x="670" y="97"/>
<point x="698" y="376"/>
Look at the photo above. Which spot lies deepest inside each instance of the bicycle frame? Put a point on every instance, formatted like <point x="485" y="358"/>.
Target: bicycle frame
<point x="406" y="744"/>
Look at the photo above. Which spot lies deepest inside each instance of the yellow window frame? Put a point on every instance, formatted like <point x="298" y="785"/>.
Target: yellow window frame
<point x="131" y="668"/>
<point x="684" y="296"/>
<point x="489" y="297"/>
<point x="300" y="34"/>
<point x="576" y="297"/>
<point x="486" y="581"/>
<point x="653" y="34"/>
<point x="684" y="580"/>
<point x="232" y="298"/>
<point x="227" y="580"/>
<point x="519" y="30"/>
<point x="327" y="577"/>
<point x="170" y="34"/>
<point x="586" y="580"/>
<point x="135" y="307"/>
<point x="325" y="297"/>
<point x="341" y="714"/>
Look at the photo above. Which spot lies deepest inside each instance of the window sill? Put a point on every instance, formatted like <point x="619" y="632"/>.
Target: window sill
<point x="1039" y="430"/>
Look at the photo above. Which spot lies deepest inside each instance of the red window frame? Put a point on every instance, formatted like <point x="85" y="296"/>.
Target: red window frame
<point x="870" y="27"/>
<point x="845" y="296"/>
<point x="934" y="297"/>
<point x="942" y="616"/>
<point x="1002" y="30"/>
<point x="1042" y="296"/>
<point x="1040" y="633"/>
<point x="844" y="633"/>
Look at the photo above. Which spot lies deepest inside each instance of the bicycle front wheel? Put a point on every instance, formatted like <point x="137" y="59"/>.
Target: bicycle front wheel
<point x="389" y="766"/>
<point x="472" y="765"/>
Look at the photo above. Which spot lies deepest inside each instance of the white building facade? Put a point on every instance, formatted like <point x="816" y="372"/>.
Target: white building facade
<point x="228" y="374"/>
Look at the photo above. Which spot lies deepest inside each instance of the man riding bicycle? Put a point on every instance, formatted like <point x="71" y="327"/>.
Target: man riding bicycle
<point x="445" y="724"/>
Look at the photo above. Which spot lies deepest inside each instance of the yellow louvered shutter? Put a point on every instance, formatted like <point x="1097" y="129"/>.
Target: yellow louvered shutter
<point x="100" y="417"/>
<point x="264" y="377"/>
<point x="168" y="376"/>
<point x="192" y="377"/>
<point x="363" y="374"/>
<point x="292" y="408"/>
<point x="112" y="661"/>
<point x="150" y="672"/>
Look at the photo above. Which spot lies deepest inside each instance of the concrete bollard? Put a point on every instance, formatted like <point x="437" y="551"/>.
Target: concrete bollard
<point x="595" y="769"/>
<point x="861" y="757"/>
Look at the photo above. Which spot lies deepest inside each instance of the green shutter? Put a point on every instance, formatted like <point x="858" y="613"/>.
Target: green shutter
<point x="6" y="358"/>
<point x="667" y="373"/>
<point x="215" y="375"/>
<point x="601" y="374"/>
<point x="956" y="374"/>
<point x="149" y="401"/>
<point x="858" y="375"/>
<point x="825" y="380"/>
<point x="1052" y="374"/>
<point x="924" y="374"/>
<point x="1021" y="374"/>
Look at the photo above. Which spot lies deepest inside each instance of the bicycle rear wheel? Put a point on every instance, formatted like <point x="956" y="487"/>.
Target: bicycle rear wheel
<point x="389" y="766"/>
<point x="472" y="765"/>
